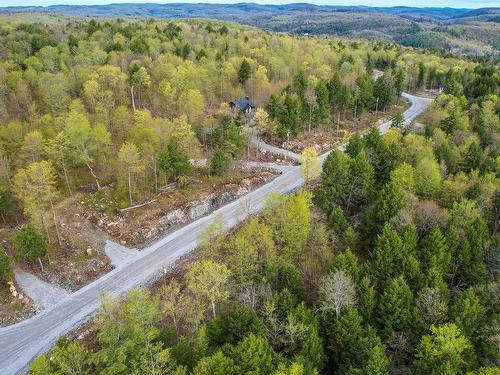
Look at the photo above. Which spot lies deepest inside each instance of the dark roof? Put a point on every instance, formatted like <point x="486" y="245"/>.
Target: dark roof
<point x="242" y="103"/>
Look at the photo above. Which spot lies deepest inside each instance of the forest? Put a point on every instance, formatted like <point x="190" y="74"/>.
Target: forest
<point x="120" y="108"/>
<point x="446" y="30"/>
<point x="387" y="262"/>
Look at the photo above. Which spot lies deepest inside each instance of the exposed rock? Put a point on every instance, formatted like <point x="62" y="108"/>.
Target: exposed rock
<point x="88" y="188"/>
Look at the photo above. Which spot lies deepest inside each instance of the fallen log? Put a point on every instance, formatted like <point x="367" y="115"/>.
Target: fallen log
<point x="121" y="210"/>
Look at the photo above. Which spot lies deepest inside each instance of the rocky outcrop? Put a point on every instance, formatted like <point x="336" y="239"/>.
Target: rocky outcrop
<point x="192" y="211"/>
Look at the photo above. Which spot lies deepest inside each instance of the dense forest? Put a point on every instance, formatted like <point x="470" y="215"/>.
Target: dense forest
<point x="445" y="30"/>
<point x="387" y="263"/>
<point x="127" y="105"/>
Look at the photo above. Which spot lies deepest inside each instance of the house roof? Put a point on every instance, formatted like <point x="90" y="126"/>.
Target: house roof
<point x="242" y="103"/>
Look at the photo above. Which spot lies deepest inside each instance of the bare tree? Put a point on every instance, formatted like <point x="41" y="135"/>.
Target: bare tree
<point x="433" y="306"/>
<point x="337" y="292"/>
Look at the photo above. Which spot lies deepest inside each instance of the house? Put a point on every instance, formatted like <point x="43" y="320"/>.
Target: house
<point x="244" y="104"/>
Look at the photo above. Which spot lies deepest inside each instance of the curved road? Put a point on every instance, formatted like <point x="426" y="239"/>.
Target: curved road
<point x="22" y="342"/>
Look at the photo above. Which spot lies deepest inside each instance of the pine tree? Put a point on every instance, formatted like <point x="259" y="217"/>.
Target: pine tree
<point x="388" y="256"/>
<point x="244" y="71"/>
<point x="397" y="310"/>
<point x="468" y="313"/>
<point x="335" y="180"/>
<point x="435" y="253"/>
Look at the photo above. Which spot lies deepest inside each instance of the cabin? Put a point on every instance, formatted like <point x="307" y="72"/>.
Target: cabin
<point x="244" y="104"/>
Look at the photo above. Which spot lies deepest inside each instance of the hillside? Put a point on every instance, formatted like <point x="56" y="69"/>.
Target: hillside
<point x="461" y="31"/>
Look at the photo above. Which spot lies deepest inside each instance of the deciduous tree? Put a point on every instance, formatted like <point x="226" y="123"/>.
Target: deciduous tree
<point x="208" y="280"/>
<point x="310" y="166"/>
<point x="131" y="158"/>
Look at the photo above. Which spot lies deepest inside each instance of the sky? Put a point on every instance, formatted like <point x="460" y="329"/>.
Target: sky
<point x="380" y="3"/>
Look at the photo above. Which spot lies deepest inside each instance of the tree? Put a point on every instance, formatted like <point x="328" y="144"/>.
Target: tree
<point x="421" y="75"/>
<point x="433" y="306"/>
<point x="398" y="121"/>
<point x="340" y="226"/>
<point x="365" y="86"/>
<point x="310" y="166"/>
<point x="452" y="122"/>
<point x="452" y="85"/>
<point x="6" y="202"/>
<point x="467" y="312"/>
<point x="338" y="292"/>
<point x="397" y="310"/>
<point x="216" y="364"/>
<point x="383" y="91"/>
<point x="251" y="258"/>
<point x="322" y="99"/>
<point x="87" y="144"/>
<point x="335" y="180"/>
<point x="219" y="162"/>
<point x="362" y="182"/>
<point x="427" y="178"/>
<point x="130" y="157"/>
<point x="170" y="295"/>
<point x="70" y="358"/>
<point x="388" y="256"/>
<point x="244" y="71"/>
<point x="5" y="269"/>
<point x="128" y="337"/>
<point x="262" y="121"/>
<point x="173" y="162"/>
<point x="208" y="280"/>
<point x="29" y="245"/>
<point x="290" y="219"/>
<point x="444" y="351"/>
<point x="35" y="187"/>
<point x="139" y="79"/>
<point x="253" y="355"/>
<point x="58" y="150"/>
<point x="192" y="104"/>
<point x="399" y="82"/>
<point x="32" y="148"/>
<point x="353" y="346"/>
<point x="240" y="322"/>
<point x="435" y="254"/>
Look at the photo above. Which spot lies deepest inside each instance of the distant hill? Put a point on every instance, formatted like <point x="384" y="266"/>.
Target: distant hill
<point x="463" y="31"/>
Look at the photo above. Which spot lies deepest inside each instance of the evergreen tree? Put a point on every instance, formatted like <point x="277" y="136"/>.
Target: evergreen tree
<point x="384" y="92"/>
<point x="335" y="180"/>
<point x="435" y="254"/>
<point x="354" y="347"/>
<point x="365" y="86"/>
<point x="397" y="310"/>
<point x="322" y="100"/>
<point x="253" y="355"/>
<point x="244" y="72"/>
<point x="388" y="256"/>
<point x="29" y="244"/>
<point x="399" y="82"/>
<point x="421" y="75"/>
<point x="468" y="313"/>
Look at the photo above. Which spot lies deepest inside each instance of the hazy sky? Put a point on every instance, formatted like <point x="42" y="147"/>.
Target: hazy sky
<point x="419" y="3"/>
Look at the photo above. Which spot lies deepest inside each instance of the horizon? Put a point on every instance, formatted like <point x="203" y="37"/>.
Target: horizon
<point x="456" y="4"/>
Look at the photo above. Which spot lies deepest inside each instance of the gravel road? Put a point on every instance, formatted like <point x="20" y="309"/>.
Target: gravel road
<point x="22" y="342"/>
